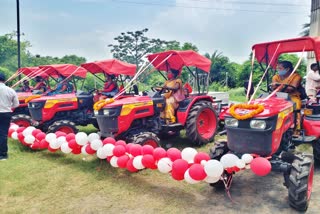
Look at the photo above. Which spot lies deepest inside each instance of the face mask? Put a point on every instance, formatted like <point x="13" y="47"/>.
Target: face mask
<point x="282" y="73"/>
<point x="170" y="76"/>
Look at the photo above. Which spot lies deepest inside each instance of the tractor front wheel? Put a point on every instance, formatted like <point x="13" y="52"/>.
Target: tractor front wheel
<point x="147" y="138"/>
<point x="316" y="152"/>
<point x="65" y="126"/>
<point x="201" y="125"/>
<point x="300" y="182"/>
<point x="22" y="120"/>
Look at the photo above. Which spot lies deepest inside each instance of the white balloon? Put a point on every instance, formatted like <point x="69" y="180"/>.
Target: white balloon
<point x="137" y="162"/>
<point x="28" y="131"/>
<point x="229" y="160"/>
<point x="101" y="153"/>
<point x="96" y="144"/>
<point x="188" y="179"/>
<point x="108" y="149"/>
<point x="29" y="139"/>
<point x="14" y="135"/>
<point x="211" y="180"/>
<point x="83" y="150"/>
<point x="247" y="158"/>
<point x="113" y="161"/>
<point x="54" y="144"/>
<point x="213" y="168"/>
<point x="165" y="165"/>
<point x="188" y="154"/>
<point x="14" y="127"/>
<point x="50" y="137"/>
<point x="203" y="162"/>
<point x="65" y="148"/>
<point x="81" y="138"/>
<point x="240" y="164"/>
<point x="93" y="136"/>
<point x="61" y="140"/>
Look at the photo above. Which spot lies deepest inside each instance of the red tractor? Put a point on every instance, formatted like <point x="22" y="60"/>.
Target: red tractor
<point x="269" y="132"/>
<point x="63" y="112"/>
<point x="138" y="119"/>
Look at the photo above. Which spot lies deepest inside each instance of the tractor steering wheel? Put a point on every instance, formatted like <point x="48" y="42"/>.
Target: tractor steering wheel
<point x="161" y="90"/>
<point x="286" y="86"/>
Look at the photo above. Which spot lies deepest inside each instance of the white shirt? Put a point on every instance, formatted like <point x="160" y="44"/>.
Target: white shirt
<point x="8" y="98"/>
<point x="313" y="80"/>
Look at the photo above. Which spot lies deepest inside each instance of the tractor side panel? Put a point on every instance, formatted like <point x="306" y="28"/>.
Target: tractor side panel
<point x="311" y="125"/>
<point x="49" y="113"/>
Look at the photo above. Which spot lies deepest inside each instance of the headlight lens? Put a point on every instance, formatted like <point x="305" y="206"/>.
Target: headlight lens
<point x="258" y="124"/>
<point x="106" y="112"/>
<point x="96" y="112"/>
<point x="232" y="122"/>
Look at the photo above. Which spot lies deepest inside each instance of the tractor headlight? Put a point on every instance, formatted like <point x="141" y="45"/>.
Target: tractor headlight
<point x="232" y="122"/>
<point x="106" y="112"/>
<point x="258" y="124"/>
<point x="96" y="113"/>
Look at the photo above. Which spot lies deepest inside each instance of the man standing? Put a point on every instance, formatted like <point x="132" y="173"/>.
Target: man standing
<point x="313" y="81"/>
<point x="8" y="100"/>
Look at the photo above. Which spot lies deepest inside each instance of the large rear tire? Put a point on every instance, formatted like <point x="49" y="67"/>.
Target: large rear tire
<point x="146" y="138"/>
<point x="65" y="126"/>
<point x="201" y="125"/>
<point x="22" y="120"/>
<point x="300" y="182"/>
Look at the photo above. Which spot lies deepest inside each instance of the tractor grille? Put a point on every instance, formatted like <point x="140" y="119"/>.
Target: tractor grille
<point x="35" y="109"/>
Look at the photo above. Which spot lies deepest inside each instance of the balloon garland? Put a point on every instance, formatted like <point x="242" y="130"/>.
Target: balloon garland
<point x="188" y="164"/>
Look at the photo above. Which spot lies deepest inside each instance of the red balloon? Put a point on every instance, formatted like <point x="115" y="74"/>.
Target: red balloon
<point x="51" y="149"/>
<point x="60" y="134"/>
<point x="147" y="150"/>
<point x="130" y="166"/>
<point x="120" y="142"/>
<point x="35" y="145"/>
<point x="89" y="150"/>
<point x="10" y="132"/>
<point x="260" y="166"/>
<point x="201" y="156"/>
<point x="148" y="161"/>
<point x="109" y="158"/>
<point x="128" y="147"/>
<point x="174" y="154"/>
<point x="196" y="172"/>
<point x="159" y="153"/>
<point x="179" y="167"/>
<point x="122" y="161"/>
<point x="119" y="150"/>
<point x="136" y="149"/>
<point x="73" y="144"/>
<point x="20" y="129"/>
<point x="70" y="136"/>
<point x="76" y="151"/>
<point x="44" y="144"/>
<point x="20" y="137"/>
<point x="40" y="136"/>
<point x="109" y="140"/>
<point x="35" y="132"/>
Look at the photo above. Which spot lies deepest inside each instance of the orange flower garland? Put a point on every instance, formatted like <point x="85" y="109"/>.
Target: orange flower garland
<point x="257" y="109"/>
<point x="101" y="103"/>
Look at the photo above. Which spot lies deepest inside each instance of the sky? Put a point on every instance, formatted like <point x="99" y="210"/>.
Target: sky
<point x="86" y="27"/>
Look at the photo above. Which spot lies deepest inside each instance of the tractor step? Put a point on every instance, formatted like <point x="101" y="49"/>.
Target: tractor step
<point x="303" y="139"/>
<point x="172" y="126"/>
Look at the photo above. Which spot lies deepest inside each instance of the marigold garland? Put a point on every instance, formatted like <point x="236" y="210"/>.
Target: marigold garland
<point x="99" y="105"/>
<point x="257" y="109"/>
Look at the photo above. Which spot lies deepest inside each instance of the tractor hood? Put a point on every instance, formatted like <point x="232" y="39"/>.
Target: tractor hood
<point x="59" y="97"/>
<point x="23" y="95"/>
<point x="138" y="100"/>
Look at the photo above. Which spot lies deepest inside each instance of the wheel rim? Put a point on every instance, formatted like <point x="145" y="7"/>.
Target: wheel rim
<point x="310" y="181"/>
<point x="22" y="123"/>
<point x="151" y="142"/>
<point x="65" y="129"/>
<point x="206" y="123"/>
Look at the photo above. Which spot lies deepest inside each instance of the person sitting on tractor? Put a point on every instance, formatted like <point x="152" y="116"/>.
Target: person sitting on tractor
<point x="291" y="83"/>
<point x="173" y="94"/>
<point x="110" y="87"/>
<point x="62" y="87"/>
<point x="25" y="86"/>
<point x="40" y="86"/>
<point x="313" y="82"/>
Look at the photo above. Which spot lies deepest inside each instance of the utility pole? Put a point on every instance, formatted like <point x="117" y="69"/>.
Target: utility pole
<point x="18" y="34"/>
<point x="227" y="79"/>
<point x="314" y="26"/>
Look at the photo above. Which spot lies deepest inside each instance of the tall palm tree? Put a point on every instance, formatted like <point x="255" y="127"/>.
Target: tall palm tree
<point x="306" y="29"/>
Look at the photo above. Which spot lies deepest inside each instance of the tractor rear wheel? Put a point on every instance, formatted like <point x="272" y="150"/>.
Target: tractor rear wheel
<point x="22" y="120"/>
<point x="147" y="138"/>
<point x="201" y="125"/>
<point x="300" y="182"/>
<point x="65" y="126"/>
<point x="316" y="152"/>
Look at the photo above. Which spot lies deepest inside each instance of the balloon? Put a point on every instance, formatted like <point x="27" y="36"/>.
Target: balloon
<point x="148" y="161"/>
<point x="83" y="150"/>
<point x="260" y="166"/>
<point x="119" y="150"/>
<point x="113" y="161"/>
<point x="76" y="151"/>
<point x="44" y="144"/>
<point x="188" y="154"/>
<point x="14" y="135"/>
<point x="21" y="129"/>
<point x="35" y="132"/>
<point x="14" y="127"/>
<point x="240" y="164"/>
<point x="60" y="134"/>
<point x="93" y="136"/>
<point x="73" y="144"/>
<point x="40" y="136"/>
<point x="174" y="154"/>
<point x="137" y="162"/>
<point x="10" y="131"/>
<point x="96" y="144"/>
<point x="229" y="160"/>
<point x="179" y="167"/>
<point x="65" y="148"/>
<point x="108" y="149"/>
<point x="165" y="165"/>
<point x="35" y="145"/>
<point x="200" y="157"/>
<point x="89" y="150"/>
<point x="128" y="147"/>
<point x="29" y="139"/>
<point x="159" y="153"/>
<point x="109" y="140"/>
<point x="122" y="161"/>
<point x="51" y="149"/>
<point x="28" y="131"/>
<point x="147" y="150"/>
<point x="101" y="153"/>
<point x="54" y="144"/>
<point x="247" y="158"/>
<point x="81" y="138"/>
<point x="135" y="150"/>
<point x="130" y="166"/>
<point x="70" y="136"/>
<point x="20" y="137"/>
<point x="120" y="142"/>
<point x="61" y="140"/>
<point x="50" y="137"/>
<point x="188" y="179"/>
<point x="211" y="180"/>
<point x="196" y="172"/>
<point x="213" y="168"/>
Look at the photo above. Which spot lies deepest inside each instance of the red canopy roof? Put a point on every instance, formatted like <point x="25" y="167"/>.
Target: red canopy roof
<point x="110" y="66"/>
<point x="178" y="59"/>
<point x="65" y="70"/>
<point x="32" y="72"/>
<point x="265" y="51"/>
